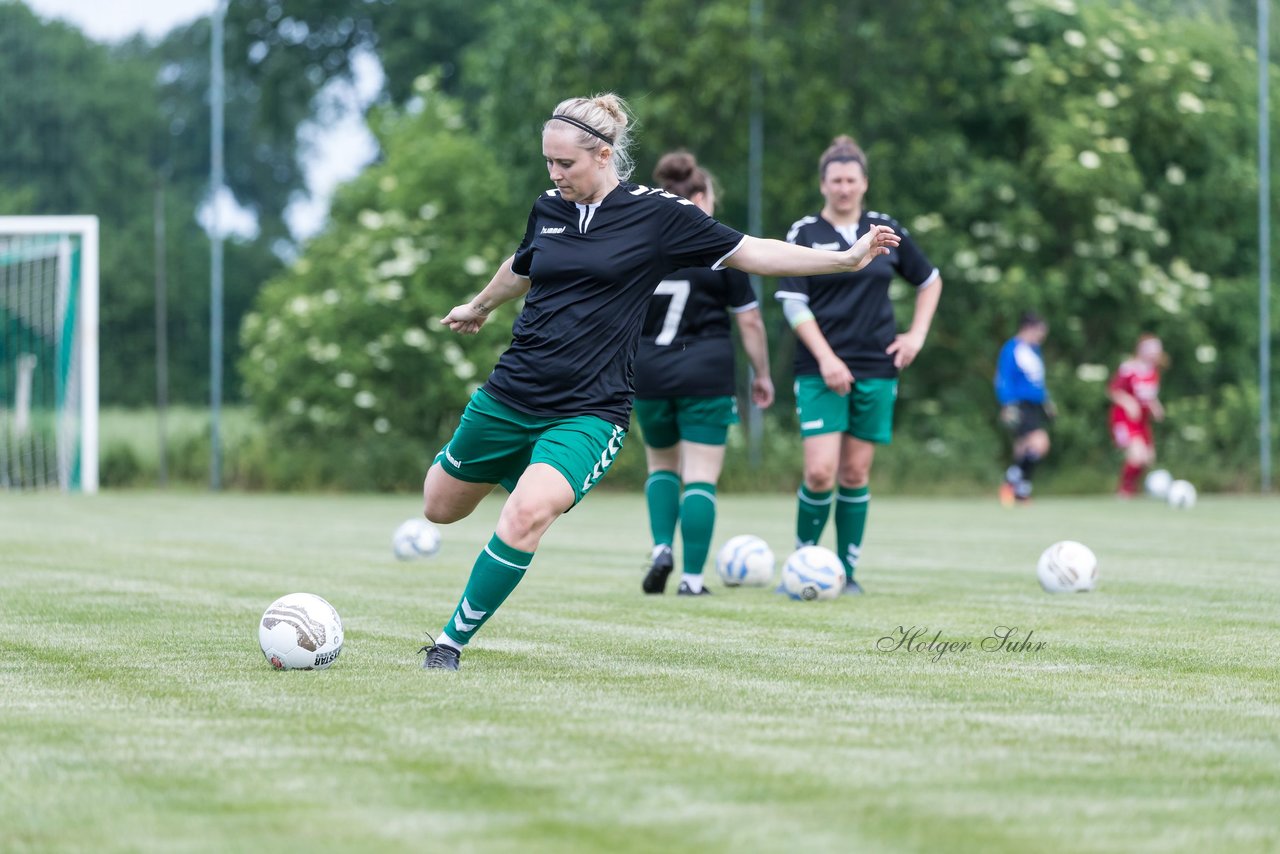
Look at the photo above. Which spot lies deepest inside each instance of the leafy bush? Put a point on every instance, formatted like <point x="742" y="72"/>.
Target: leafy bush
<point x="347" y="346"/>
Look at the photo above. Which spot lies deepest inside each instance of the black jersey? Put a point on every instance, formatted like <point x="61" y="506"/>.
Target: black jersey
<point x="592" y="270"/>
<point x="686" y="349"/>
<point x="853" y="310"/>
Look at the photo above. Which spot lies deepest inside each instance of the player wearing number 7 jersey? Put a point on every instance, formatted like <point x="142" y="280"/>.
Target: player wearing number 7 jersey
<point x="685" y="389"/>
<point x="552" y="415"/>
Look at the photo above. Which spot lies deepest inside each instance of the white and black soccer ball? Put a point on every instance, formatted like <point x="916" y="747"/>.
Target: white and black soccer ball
<point x="745" y="561"/>
<point x="813" y="573"/>
<point x="1182" y="495"/>
<point x="300" y="631"/>
<point x="1068" y="567"/>
<point x="1158" y="483"/>
<point x="415" y="538"/>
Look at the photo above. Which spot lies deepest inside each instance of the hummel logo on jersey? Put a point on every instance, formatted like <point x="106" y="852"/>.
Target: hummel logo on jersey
<point x="811" y="425"/>
<point x="448" y="456"/>
<point x="546" y="229"/>
<point x="829" y="246"/>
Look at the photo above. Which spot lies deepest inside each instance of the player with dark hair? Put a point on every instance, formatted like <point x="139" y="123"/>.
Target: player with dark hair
<point x="851" y="352"/>
<point x="552" y="415"/>
<point x="1134" y="391"/>
<point x="685" y="389"/>
<point x="1025" y="408"/>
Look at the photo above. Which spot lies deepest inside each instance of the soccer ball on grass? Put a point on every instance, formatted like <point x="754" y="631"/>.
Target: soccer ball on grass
<point x="300" y="631"/>
<point x="813" y="572"/>
<point x="1158" y="483"/>
<point x="415" y="538"/>
<point x="1068" y="567"/>
<point x="745" y="561"/>
<point x="1182" y="495"/>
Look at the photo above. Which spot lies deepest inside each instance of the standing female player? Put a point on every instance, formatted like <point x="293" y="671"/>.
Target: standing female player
<point x="1135" y="403"/>
<point x="847" y="367"/>
<point x="685" y="389"/>
<point x="550" y="418"/>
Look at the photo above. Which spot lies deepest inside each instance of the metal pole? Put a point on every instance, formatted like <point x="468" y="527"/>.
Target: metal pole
<point x="1264" y="245"/>
<point x="216" y="97"/>
<point x="162" y="336"/>
<point x="755" y="207"/>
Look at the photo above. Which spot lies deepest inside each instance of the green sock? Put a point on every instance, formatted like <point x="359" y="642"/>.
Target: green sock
<point x="697" y="521"/>
<point x="811" y="515"/>
<point x="851" y="522"/>
<point x="662" y="490"/>
<point x="496" y="573"/>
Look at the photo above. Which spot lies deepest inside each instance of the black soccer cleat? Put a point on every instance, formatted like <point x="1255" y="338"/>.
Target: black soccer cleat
<point x="440" y="657"/>
<point x="851" y="588"/>
<point x="655" y="580"/>
<point x="686" y="590"/>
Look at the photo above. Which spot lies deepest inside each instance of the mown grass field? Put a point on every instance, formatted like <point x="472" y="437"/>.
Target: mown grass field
<point x="137" y="713"/>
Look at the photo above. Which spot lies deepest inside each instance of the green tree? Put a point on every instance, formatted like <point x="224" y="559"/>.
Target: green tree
<point x="92" y="128"/>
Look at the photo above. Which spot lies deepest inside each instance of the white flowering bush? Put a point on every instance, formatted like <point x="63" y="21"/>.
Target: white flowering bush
<point x="347" y="344"/>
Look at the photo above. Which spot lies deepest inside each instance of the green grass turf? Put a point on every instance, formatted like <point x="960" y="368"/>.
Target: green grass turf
<point x="137" y="713"/>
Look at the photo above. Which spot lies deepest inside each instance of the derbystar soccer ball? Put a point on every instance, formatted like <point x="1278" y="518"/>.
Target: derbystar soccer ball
<point x="1158" y="483"/>
<point x="1067" y="567"/>
<point x="745" y="561"/>
<point x="415" y="538"/>
<point x="300" y="631"/>
<point x="1181" y="495"/>
<point x="813" y="572"/>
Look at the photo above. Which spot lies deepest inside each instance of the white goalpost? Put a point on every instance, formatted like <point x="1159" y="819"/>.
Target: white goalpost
<point x="49" y="353"/>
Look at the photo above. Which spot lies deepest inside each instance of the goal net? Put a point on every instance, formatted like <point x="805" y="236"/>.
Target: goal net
<point x="49" y="353"/>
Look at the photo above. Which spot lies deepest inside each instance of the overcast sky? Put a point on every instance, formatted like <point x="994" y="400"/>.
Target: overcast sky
<point x="111" y="20"/>
<point x="341" y="149"/>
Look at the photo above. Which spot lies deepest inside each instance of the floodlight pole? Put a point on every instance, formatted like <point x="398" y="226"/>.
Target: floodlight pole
<point x="1264" y="246"/>
<point x="216" y="98"/>
<point x="755" y="205"/>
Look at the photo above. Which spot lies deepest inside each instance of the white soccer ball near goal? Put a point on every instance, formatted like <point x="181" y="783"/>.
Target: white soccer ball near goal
<point x="1067" y="567"/>
<point x="1182" y="495"/>
<point x="415" y="538"/>
<point x="745" y="561"/>
<point x="813" y="573"/>
<point x="300" y="631"/>
<point x="1158" y="483"/>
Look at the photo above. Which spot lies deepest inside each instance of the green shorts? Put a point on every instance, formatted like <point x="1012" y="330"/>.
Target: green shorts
<point x="705" y="420"/>
<point x="495" y="444"/>
<point x="865" y="413"/>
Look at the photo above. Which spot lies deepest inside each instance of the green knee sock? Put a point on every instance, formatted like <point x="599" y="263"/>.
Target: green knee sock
<point x="662" y="490"/>
<point x="697" y="522"/>
<point x="851" y="522"/>
<point x="496" y="573"/>
<point x="811" y="515"/>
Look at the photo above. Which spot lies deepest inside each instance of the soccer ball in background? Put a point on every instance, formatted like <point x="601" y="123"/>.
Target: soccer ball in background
<point x="1182" y="495"/>
<point x="1068" y="567"/>
<point x="745" y="561"/>
<point x="1158" y="483"/>
<point x="813" y="572"/>
<point x="415" y="538"/>
<point x="300" y="631"/>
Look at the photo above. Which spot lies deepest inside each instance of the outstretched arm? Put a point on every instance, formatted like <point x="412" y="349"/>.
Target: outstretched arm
<point x="768" y="257"/>
<point x="503" y="287"/>
<point x="755" y="342"/>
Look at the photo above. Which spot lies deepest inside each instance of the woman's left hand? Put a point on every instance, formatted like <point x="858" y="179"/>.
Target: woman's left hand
<point x="904" y="349"/>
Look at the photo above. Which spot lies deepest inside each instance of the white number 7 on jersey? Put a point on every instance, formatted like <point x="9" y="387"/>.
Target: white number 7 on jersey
<point x="678" y="290"/>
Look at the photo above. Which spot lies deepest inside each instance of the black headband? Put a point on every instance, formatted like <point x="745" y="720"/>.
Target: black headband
<point x="583" y="126"/>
